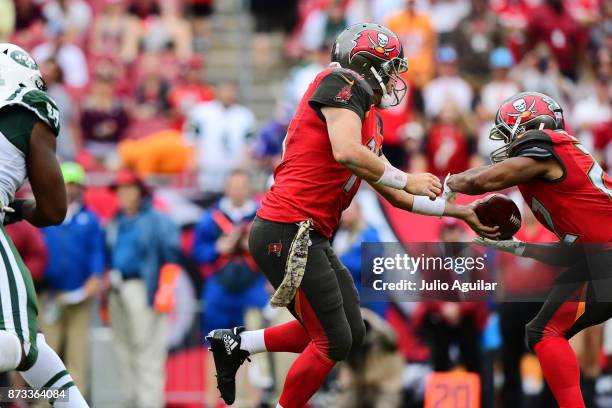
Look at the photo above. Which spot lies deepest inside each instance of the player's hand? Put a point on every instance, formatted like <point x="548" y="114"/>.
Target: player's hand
<point x="469" y="216"/>
<point x="423" y="184"/>
<point x="5" y="208"/>
<point x="9" y="214"/>
<point x="448" y="194"/>
<point x="513" y="246"/>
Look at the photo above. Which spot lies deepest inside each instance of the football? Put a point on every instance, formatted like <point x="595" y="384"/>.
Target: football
<point x="497" y="209"/>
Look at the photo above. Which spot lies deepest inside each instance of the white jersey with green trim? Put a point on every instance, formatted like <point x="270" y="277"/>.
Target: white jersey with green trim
<point x="12" y="160"/>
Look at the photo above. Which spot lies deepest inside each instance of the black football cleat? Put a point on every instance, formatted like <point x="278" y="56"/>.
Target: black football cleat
<point x="228" y="357"/>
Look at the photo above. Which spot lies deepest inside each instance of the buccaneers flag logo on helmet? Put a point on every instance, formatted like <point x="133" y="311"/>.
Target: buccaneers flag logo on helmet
<point x="522" y="112"/>
<point x="375" y="43"/>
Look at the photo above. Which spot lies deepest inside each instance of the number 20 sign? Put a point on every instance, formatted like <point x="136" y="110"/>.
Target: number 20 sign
<point x="452" y="390"/>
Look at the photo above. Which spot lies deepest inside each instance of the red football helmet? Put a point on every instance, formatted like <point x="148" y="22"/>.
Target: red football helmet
<point x="376" y="53"/>
<point x="522" y="112"/>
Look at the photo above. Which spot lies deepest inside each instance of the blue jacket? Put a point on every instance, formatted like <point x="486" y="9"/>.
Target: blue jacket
<point x="158" y="243"/>
<point x="76" y="251"/>
<point x="352" y="257"/>
<point x="207" y="232"/>
<point x="352" y="260"/>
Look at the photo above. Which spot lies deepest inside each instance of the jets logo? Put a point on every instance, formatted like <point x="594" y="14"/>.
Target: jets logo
<point x="24" y="59"/>
<point x="375" y="43"/>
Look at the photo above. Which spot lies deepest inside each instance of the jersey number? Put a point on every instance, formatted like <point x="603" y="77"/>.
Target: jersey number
<point x="53" y="114"/>
<point x="538" y="207"/>
<point x="596" y="173"/>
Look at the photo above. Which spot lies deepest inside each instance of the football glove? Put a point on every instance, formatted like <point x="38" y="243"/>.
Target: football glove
<point x="513" y="246"/>
<point x="5" y="210"/>
<point x="12" y="212"/>
<point x="448" y="194"/>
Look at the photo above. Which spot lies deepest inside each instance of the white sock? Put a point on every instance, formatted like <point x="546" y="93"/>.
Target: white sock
<point x="279" y="406"/>
<point x="10" y="351"/>
<point x="48" y="371"/>
<point x="253" y="341"/>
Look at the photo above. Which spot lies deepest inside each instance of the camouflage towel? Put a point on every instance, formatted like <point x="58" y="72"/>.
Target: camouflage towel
<point x="295" y="267"/>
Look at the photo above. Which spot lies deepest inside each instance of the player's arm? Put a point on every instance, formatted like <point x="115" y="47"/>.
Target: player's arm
<point x="553" y="253"/>
<point x="344" y="128"/>
<point x="531" y="156"/>
<point x="49" y="204"/>
<point x="511" y="172"/>
<point x="343" y="102"/>
<point x="438" y="207"/>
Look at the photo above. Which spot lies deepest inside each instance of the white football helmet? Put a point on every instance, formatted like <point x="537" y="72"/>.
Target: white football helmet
<point x="17" y="70"/>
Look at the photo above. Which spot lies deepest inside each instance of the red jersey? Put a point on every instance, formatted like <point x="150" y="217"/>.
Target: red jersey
<point x="309" y="182"/>
<point x="577" y="206"/>
<point x="447" y="150"/>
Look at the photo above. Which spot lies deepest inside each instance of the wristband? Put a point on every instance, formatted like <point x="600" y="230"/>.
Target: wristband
<point x="423" y="205"/>
<point x="393" y="178"/>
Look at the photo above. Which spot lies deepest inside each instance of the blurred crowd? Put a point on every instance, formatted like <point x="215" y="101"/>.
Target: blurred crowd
<point x="464" y="58"/>
<point x="164" y="170"/>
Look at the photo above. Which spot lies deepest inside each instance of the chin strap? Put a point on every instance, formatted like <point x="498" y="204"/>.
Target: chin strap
<point x="386" y="100"/>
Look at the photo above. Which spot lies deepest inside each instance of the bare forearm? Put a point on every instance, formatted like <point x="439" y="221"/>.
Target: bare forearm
<point x="363" y="163"/>
<point x="30" y="212"/>
<point x="397" y="198"/>
<point x="456" y="211"/>
<point x="437" y="207"/>
<point x="511" y="172"/>
<point x="469" y="182"/>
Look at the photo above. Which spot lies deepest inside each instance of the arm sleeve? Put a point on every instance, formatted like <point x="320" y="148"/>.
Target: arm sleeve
<point x="341" y="90"/>
<point x="205" y="238"/>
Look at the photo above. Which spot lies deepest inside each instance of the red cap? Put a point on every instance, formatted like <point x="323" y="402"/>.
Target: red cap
<point x="128" y="177"/>
<point x="195" y="62"/>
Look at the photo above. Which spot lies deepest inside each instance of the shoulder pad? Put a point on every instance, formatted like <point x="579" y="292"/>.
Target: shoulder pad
<point x="536" y="144"/>
<point x="39" y="103"/>
<point x="349" y="76"/>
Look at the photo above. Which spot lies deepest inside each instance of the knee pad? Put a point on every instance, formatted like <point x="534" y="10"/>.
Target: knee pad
<point x="11" y="352"/>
